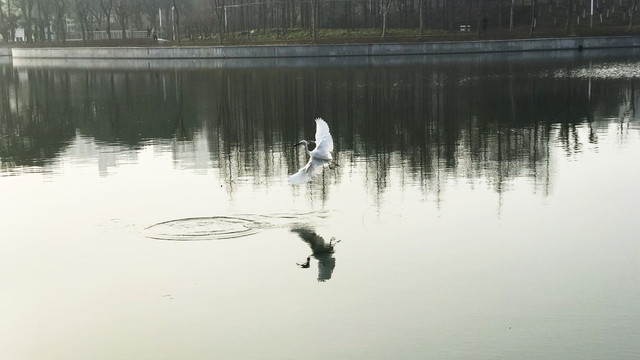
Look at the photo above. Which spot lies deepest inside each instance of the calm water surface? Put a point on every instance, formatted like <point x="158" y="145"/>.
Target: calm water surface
<point x="486" y="207"/>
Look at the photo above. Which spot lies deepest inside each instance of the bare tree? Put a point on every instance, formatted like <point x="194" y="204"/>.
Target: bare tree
<point x="26" y="7"/>
<point x="61" y="19"/>
<point x="44" y="19"/>
<point x="217" y="8"/>
<point x="8" y="21"/>
<point x="82" y="10"/>
<point x="632" y="7"/>
<point x="135" y="13"/>
<point x="385" y="5"/>
<point x="107" y="6"/>
<point x="421" y="14"/>
<point x="511" y="15"/>
<point x="177" y="24"/>
<point x="121" y="8"/>
<point x="570" y="4"/>
<point x="533" y="17"/>
<point x="314" y="19"/>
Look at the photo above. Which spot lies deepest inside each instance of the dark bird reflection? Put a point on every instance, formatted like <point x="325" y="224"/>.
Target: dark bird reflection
<point x="320" y="250"/>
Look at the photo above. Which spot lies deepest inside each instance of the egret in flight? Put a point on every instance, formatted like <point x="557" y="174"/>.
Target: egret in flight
<point x="318" y="157"/>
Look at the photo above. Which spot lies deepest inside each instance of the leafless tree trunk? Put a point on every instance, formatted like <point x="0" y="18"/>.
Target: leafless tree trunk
<point x="533" y="17"/>
<point x="569" y="15"/>
<point x="175" y="7"/>
<point x="44" y="17"/>
<point x="26" y="7"/>
<point x="511" y="15"/>
<point x="632" y="7"/>
<point x="61" y="26"/>
<point x="314" y="19"/>
<point x="217" y="7"/>
<point x="82" y="12"/>
<point x="107" y="6"/>
<point x="5" y="25"/>
<point x="421" y="4"/>
<point x="385" y="5"/>
<point x="122" y="13"/>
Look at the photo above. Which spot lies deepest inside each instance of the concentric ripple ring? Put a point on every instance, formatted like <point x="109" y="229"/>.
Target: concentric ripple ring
<point x="204" y="228"/>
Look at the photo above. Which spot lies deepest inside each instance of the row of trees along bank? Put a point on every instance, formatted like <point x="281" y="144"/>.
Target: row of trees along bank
<point x="54" y="20"/>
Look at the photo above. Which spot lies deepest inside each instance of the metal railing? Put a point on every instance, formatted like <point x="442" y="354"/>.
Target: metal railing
<point x="102" y="35"/>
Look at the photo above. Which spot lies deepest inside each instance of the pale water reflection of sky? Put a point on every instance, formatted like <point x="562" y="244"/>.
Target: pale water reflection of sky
<point x="495" y="271"/>
<point x="469" y="256"/>
<point x="445" y="271"/>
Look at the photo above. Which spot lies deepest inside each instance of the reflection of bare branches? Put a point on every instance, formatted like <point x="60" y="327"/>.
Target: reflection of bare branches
<point x="179" y="131"/>
<point x="427" y="122"/>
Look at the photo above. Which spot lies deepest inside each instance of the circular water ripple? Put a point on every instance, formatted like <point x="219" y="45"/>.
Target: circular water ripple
<point x="204" y="228"/>
<point x="226" y="227"/>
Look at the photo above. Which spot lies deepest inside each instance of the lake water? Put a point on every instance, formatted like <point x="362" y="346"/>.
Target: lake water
<point x="480" y="206"/>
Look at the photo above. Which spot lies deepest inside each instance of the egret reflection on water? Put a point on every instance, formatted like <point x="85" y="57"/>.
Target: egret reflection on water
<point x="319" y="157"/>
<point x="320" y="250"/>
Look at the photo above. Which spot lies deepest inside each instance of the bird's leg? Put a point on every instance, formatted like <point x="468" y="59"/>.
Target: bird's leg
<point x="305" y="264"/>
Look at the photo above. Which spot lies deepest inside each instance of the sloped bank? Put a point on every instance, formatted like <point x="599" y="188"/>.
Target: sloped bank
<point x="295" y="51"/>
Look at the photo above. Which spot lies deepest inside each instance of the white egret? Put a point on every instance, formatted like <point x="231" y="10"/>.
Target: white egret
<point x="318" y="157"/>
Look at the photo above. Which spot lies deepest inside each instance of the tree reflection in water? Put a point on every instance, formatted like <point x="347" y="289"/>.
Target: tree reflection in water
<point x="490" y="117"/>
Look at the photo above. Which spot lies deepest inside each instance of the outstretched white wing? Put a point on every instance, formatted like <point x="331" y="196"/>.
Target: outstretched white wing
<point x="312" y="169"/>
<point x="324" y="141"/>
<point x="319" y="157"/>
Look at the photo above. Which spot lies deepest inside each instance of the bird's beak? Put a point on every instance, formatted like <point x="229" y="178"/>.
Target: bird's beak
<point x="297" y="144"/>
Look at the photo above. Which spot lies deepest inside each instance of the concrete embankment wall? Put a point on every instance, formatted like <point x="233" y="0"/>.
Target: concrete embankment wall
<point x="5" y="52"/>
<point x="294" y="51"/>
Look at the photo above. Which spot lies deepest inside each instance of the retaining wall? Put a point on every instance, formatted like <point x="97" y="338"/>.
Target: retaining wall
<point x="5" y="52"/>
<point x="294" y="51"/>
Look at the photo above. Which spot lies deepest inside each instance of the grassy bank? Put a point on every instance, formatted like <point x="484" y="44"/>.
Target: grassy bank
<point x="342" y="36"/>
